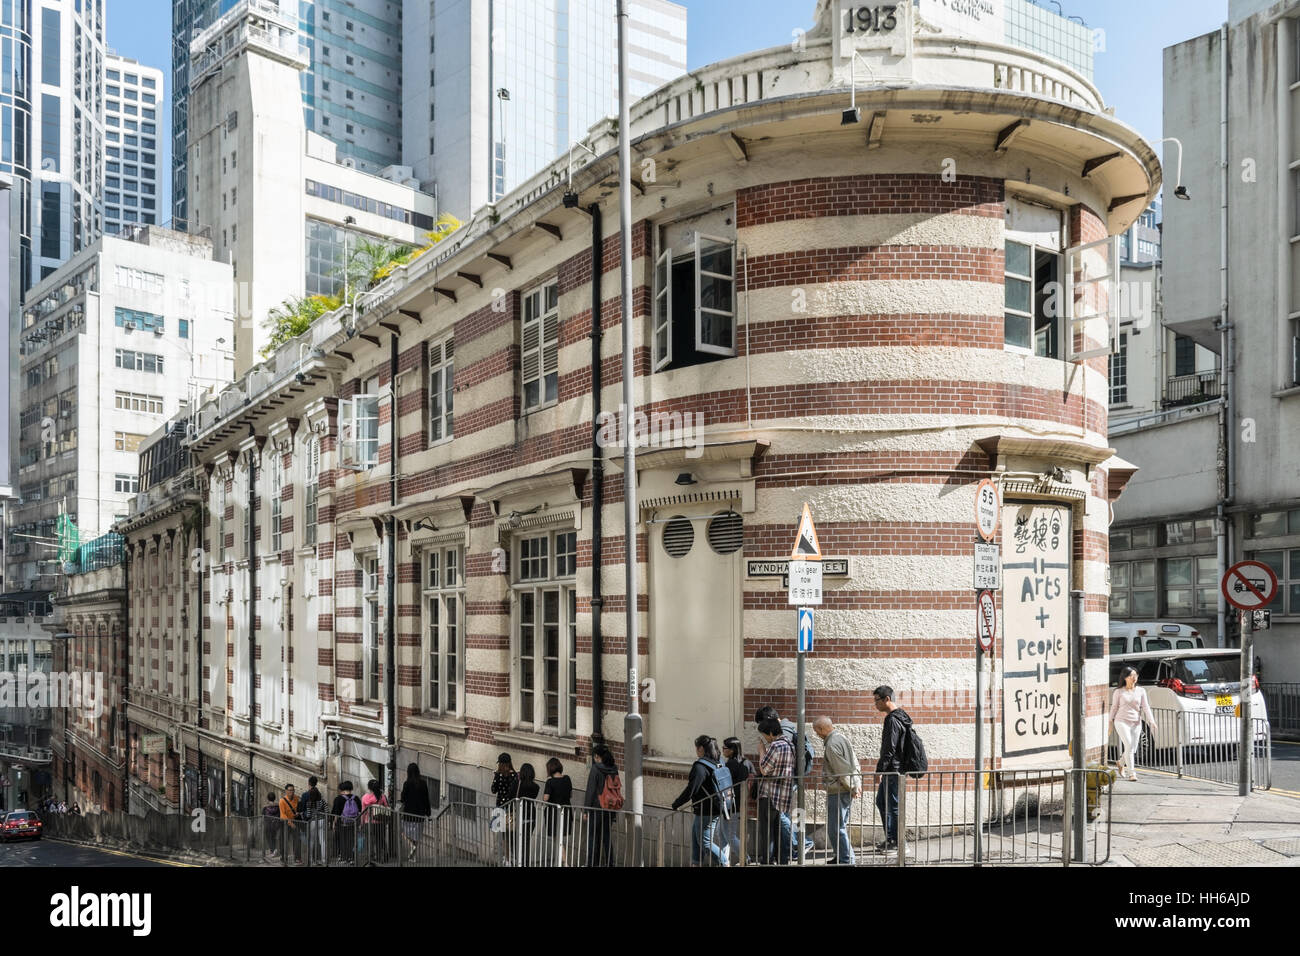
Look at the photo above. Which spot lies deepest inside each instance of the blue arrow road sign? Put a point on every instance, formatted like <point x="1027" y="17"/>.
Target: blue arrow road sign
<point x="805" y="630"/>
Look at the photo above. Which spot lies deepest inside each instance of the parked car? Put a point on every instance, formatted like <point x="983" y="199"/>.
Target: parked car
<point x="1129" y="637"/>
<point x="21" y="825"/>
<point x="1195" y="694"/>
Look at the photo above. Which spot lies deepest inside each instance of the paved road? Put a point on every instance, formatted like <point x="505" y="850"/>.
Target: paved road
<point x="1286" y="766"/>
<point x="53" y="853"/>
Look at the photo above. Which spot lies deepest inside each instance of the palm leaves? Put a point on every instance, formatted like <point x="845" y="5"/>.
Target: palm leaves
<point x="369" y="262"/>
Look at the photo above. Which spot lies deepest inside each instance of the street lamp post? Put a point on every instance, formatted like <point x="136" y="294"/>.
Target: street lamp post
<point x="632" y="726"/>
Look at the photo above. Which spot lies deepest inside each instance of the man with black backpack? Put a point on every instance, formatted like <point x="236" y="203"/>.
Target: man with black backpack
<point x="901" y="751"/>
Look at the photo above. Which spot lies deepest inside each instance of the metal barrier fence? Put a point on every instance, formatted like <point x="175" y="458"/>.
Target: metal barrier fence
<point x="1203" y="746"/>
<point x="1283" y="706"/>
<point x="1026" y="819"/>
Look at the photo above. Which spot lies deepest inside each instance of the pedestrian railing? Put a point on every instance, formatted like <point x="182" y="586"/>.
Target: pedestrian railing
<point x="1283" y="706"/>
<point x="1203" y="746"/>
<point x="1024" y="817"/>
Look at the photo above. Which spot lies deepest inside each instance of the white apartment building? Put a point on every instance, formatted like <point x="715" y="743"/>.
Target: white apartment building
<point x="1217" y="479"/>
<point x="274" y="198"/>
<point x="133" y="99"/>
<point x="493" y="90"/>
<point x="111" y="346"/>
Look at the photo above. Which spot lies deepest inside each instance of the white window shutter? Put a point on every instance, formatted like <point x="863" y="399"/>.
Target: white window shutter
<point x="663" y="312"/>
<point x="347" y="433"/>
<point x="1092" y="305"/>
<point x="715" y="320"/>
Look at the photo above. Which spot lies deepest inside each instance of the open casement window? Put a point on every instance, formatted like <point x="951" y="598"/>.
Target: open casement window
<point x="441" y="356"/>
<point x="359" y="428"/>
<point x="694" y="314"/>
<point x="540" y="346"/>
<point x="1032" y="305"/>
<point x="1092" y="298"/>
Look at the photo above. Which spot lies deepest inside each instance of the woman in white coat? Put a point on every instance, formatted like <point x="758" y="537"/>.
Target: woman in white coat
<point x="1128" y="708"/>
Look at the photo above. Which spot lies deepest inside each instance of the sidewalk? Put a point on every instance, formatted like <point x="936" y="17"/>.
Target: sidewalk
<point x="1163" y="821"/>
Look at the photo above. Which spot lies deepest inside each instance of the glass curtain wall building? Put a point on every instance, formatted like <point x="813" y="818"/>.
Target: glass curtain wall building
<point x="495" y="90"/>
<point x="51" y="137"/>
<point x="351" y="89"/>
<point x="1069" y="40"/>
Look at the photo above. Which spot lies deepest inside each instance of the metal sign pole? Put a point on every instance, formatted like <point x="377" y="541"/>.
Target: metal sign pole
<point x="1246" y="742"/>
<point x="1078" y="720"/>
<point x="979" y="753"/>
<point x="799" y="749"/>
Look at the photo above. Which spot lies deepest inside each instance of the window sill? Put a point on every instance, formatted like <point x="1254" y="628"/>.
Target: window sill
<point x="1291" y="392"/>
<point x="540" y="742"/>
<point x="307" y="550"/>
<point x="540" y="408"/>
<point x="366" y="711"/>
<point x="305" y="735"/>
<point x="439" y="442"/>
<point x="438" y="724"/>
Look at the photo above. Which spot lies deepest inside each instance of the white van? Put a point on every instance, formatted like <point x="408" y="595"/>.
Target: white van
<point x="1203" y="686"/>
<point x="1132" y="637"/>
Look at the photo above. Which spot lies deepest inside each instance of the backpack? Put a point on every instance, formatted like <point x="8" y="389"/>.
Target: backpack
<point x="351" y="807"/>
<point x="723" y="788"/>
<point x="611" y="794"/>
<point x="914" y="762"/>
<point x="792" y="735"/>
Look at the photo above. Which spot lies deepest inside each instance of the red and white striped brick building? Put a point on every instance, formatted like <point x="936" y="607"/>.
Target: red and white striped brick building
<point x="860" y="315"/>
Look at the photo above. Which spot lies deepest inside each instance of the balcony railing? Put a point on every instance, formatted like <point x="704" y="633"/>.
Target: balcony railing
<point x="1191" y="389"/>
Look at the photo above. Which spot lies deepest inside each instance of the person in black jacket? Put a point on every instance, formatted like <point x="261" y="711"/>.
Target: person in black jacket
<point x="890" y="763"/>
<point x="702" y="793"/>
<point x="416" y="807"/>
<point x="599" y="821"/>
<point x="741" y="770"/>
<point x="311" y="810"/>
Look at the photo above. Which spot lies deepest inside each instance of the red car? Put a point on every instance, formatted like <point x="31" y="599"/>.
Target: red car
<point x="21" y="825"/>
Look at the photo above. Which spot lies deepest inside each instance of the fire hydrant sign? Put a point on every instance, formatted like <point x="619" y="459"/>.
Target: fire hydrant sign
<point x="1035" y="629"/>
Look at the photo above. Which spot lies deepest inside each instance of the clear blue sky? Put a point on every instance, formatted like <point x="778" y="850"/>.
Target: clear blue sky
<point x="1128" y="71"/>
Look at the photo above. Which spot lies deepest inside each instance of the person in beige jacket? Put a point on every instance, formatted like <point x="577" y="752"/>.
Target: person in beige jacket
<point x="843" y="784"/>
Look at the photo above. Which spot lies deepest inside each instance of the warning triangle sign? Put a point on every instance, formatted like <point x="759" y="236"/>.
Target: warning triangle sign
<point x="806" y="545"/>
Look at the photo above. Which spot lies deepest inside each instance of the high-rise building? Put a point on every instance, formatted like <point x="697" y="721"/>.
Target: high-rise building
<point x="112" y="343"/>
<point x="133" y="97"/>
<point x="351" y="88"/>
<point x="350" y="84"/>
<point x="493" y="91"/>
<point x="1217" y="455"/>
<point x="189" y="17"/>
<point x="1024" y="24"/>
<point x="50" y="132"/>
<point x="268" y="191"/>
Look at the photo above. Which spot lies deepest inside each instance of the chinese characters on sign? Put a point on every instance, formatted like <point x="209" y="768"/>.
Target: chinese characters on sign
<point x="1036" y="628"/>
